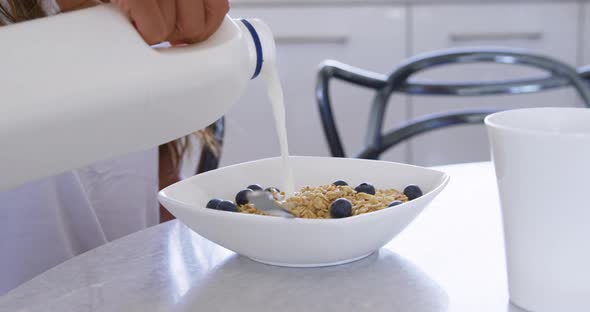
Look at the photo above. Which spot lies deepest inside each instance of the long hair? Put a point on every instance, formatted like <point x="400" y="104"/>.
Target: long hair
<point x="22" y="10"/>
<point x="183" y="146"/>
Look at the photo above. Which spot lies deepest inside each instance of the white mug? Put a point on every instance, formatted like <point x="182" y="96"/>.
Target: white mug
<point x="542" y="162"/>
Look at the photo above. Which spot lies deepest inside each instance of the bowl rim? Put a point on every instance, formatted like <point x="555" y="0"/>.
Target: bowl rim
<point x="163" y="195"/>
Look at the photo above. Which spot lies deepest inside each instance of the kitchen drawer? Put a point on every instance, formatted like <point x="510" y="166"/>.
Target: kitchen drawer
<point x="369" y="37"/>
<point x="547" y="28"/>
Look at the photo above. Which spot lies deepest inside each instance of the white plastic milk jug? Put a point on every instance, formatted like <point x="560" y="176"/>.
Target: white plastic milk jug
<point x="80" y="87"/>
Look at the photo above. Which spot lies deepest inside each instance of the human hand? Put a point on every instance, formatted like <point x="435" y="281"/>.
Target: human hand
<point x="72" y="5"/>
<point x="176" y="21"/>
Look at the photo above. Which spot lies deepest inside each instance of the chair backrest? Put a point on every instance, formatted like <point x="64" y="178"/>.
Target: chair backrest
<point x="558" y="75"/>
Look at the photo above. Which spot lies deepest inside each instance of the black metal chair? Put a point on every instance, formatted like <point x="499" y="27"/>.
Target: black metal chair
<point x="398" y="81"/>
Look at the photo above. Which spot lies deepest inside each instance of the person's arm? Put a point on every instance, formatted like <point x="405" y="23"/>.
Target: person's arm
<point x="168" y="174"/>
<point x="72" y="5"/>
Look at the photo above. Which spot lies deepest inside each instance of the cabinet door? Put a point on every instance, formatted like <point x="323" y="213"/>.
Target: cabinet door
<point x="369" y="37"/>
<point x="548" y="28"/>
<point x="584" y="41"/>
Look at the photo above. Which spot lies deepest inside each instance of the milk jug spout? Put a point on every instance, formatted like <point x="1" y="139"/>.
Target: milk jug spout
<point x="262" y="49"/>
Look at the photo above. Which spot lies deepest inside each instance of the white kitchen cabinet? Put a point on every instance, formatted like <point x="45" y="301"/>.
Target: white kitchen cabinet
<point x="548" y="28"/>
<point x="371" y="37"/>
<point x="585" y="36"/>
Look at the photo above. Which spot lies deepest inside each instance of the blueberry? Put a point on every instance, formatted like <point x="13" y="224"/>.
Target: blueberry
<point x="341" y="208"/>
<point x="213" y="203"/>
<point x="340" y="183"/>
<point x="365" y="188"/>
<point x="272" y="190"/>
<point x="412" y="192"/>
<point x="255" y="187"/>
<point x="395" y="203"/>
<point x="242" y="197"/>
<point x="226" y="205"/>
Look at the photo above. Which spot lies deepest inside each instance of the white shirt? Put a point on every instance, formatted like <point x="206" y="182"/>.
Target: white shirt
<point x="46" y="222"/>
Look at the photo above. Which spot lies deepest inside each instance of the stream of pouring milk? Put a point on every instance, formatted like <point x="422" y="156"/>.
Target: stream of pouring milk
<point x="275" y="95"/>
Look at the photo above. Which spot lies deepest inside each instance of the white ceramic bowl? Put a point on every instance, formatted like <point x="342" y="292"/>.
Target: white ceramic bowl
<point x="300" y="242"/>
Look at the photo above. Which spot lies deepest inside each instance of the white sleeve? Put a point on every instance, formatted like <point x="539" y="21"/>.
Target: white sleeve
<point x="50" y="7"/>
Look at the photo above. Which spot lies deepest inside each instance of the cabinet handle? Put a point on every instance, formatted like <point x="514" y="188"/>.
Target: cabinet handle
<point x="499" y="36"/>
<point x="312" y="39"/>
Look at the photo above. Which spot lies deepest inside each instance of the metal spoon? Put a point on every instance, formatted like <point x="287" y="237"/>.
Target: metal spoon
<point x="265" y="202"/>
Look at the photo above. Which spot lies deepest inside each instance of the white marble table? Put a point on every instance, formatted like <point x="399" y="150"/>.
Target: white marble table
<point x="450" y="259"/>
